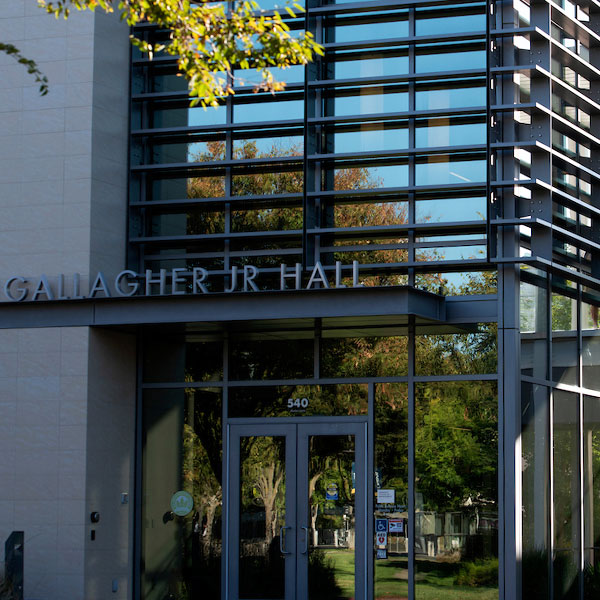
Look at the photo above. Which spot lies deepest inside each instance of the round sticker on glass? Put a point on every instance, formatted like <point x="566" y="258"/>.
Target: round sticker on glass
<point x="182" y="503"/>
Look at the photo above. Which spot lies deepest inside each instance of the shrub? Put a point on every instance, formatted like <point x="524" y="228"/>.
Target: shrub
<point x="480" y="573"/>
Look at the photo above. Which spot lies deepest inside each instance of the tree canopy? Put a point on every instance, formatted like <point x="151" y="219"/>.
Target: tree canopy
<point x="209" y="39"/>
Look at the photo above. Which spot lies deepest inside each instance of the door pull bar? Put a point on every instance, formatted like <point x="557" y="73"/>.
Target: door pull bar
<point x="281" y="548"/>
<point x="305" y="540"/>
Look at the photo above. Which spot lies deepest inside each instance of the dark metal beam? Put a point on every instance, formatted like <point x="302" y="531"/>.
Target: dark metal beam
<point x="354" y="303"/>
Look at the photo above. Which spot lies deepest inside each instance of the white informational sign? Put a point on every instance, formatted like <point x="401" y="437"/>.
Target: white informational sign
<point x="381" y="538"/>
<point x="396" y="526"/>
<point x="386" y="496"/>
<point x="182" y="503"/>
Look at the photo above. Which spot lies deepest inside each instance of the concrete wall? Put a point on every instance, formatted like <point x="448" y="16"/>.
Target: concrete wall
<point x="67" y="396"/>
<point x="63" y="157"/>
<point x="110" y="464"/>
<point x="43" y="391"/>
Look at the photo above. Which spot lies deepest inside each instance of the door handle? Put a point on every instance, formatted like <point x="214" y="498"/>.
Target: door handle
<point x="305" y="540"/>
<point x="281" y="547"/>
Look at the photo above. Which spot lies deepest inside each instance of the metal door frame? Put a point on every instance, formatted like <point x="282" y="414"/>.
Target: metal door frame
<point x="296" y="434"/>
<point x="359" y="431"/>
<point x="235" y="433"/>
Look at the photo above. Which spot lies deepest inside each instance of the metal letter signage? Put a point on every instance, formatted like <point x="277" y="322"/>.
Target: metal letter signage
<point x="174" y="282"/>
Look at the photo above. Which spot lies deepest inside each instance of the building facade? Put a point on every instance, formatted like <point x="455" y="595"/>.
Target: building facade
<point x="337" y="342"/>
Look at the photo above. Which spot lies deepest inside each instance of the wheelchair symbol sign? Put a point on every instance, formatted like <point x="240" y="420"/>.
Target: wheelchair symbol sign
<point x="381" y="525"/>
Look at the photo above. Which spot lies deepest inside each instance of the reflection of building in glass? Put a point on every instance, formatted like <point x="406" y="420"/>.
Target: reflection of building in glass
<point x="351" y="344"/>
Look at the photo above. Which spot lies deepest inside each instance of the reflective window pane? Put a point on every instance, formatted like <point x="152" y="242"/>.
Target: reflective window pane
<point x="298" y="400"/>
<point x="566" y="470"/>
<point x="565" y="358"/>
<point x="534" y="330"/>
<point x="436" y="134"/>
<point x="355" y="178"/>
<point x="268" y="147"/>
<point x="364" y="356"/>
<point x="456" y="511"/>
<point x="566" y="475"/>
<point x="591" y="492"/>
<point x="181" y="189"/>
<point x="535" y="461"/>
<point x="249" y="77"/>
<point x="173" y="359"/>
<point x="430" y="22"/>
<point x="366" y="101"/>
<point x="391" y="473"/>
<point x="456" y="354"/>
<point x="371" y="67"/>
<point x="182" y="495"/>
<point x="591" y="362"/>
<point x="450" y="209"/>
<point x="267" y="183"/>
<point x="392" y="25"/>
<point x="270" y="357"/>
<point x="262" y="514"/>
<point x="331" y="540"/>
<point x="444" y="171"/>
<point x="268" y="111"/>
<point x="449" y="97"/>
<point x="450" y="61"/>
<point x="370" y="138"/>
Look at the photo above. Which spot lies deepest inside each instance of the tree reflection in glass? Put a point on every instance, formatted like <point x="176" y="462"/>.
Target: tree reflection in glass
<point x="332" y="517"/>
<point x="181" y="553"/>
<point x="456" y="511"/>
<point x="262" y="514"/>
<point x="391" y="472"/>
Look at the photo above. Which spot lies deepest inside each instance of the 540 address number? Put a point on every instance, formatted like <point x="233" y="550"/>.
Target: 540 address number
<point x="297" y="403"/>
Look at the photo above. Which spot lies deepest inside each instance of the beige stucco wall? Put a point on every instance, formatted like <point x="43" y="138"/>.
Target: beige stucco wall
<point x="67" y="396"/>
<point x="43" y="391"/>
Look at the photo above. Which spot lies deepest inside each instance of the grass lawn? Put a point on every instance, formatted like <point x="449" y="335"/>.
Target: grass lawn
<point x="434" y="581"/>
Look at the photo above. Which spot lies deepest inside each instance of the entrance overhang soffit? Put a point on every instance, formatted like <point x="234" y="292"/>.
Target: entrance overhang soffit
<point x="395" y="304"/>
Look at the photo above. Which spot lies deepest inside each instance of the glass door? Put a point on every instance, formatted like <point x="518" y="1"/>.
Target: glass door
<point x="261" y="521"/>
<point x="296" y="512"/>
<point x="331" y="559"/>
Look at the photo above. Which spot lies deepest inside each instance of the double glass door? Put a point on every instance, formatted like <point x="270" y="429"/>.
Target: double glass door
<point x="296" y="512"/>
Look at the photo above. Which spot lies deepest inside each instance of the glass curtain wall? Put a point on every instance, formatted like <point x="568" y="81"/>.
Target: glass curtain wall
<point x="430" y="398"/>
<point x="374" y="153"/>
<point x="559" y="408"/>
<point x="546" y="197"/>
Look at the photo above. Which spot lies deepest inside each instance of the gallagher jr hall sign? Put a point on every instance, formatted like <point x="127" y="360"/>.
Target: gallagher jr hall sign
<point x="175" y="282"/>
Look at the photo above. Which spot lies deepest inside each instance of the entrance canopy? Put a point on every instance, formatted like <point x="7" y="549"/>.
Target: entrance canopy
<point x="336" y="307"/>
<point x="368" y="305"/>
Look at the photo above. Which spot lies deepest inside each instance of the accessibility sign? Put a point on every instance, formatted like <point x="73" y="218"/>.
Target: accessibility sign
<point x="381" y="525"/>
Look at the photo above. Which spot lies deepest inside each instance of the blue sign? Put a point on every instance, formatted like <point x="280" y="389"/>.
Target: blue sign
<point x="331" y="493"/>
<point x="381" y="525"/>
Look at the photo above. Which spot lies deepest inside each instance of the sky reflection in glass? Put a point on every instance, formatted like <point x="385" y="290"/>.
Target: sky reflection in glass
<point x="450" y="61"/>
<point x="449" y="98"/>
<point x="365" y="104"/>
<point x="450" y="135"/>
<point x="371" y="67"/>
<point x="444" y="25"/>
<point x="369" y="31"/>
<point x="456" y="171"/>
